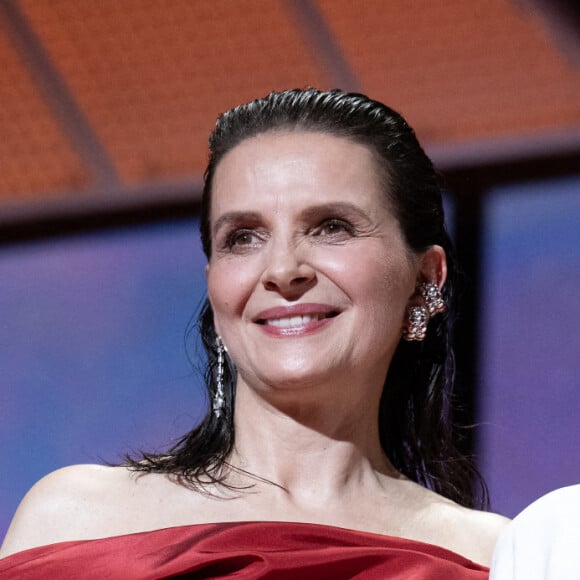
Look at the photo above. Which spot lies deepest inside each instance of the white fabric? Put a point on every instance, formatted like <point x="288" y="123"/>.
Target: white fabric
<point x="542" y="542"/>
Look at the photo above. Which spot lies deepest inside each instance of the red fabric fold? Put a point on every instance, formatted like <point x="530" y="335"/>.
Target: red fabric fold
<point x="246" y="550"/>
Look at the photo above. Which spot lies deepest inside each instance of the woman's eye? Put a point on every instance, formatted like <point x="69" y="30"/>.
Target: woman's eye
<point x="243" y="237"/>
<point x="335" y="228"/>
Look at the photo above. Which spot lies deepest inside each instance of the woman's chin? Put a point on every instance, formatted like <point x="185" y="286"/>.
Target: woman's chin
<point x="294" y="376"/>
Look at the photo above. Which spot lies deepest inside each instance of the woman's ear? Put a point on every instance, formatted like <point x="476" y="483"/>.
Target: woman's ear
<point x="433" y="266"/>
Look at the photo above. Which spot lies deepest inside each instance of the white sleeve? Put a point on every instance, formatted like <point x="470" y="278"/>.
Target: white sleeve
<point x="542" y="542"/>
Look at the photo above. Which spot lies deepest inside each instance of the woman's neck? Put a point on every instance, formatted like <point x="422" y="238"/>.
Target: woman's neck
<point x="308" y="450"/>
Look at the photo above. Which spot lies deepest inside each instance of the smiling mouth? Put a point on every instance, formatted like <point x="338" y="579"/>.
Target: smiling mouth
<point x="295" y="321"/>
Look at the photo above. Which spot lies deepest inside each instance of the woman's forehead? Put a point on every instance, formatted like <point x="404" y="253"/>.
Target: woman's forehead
<point x="292" y="170"/>
<point x="282" y="142"/>
<point x="296" y="158"/>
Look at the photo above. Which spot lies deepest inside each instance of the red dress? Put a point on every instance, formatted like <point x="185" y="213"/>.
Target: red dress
<point x="245" y="550"/>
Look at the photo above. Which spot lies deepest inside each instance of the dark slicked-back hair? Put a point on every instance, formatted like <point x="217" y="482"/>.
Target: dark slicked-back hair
<point x="415" y="417"/>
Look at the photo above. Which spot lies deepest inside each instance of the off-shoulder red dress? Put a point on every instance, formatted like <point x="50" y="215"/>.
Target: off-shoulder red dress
<point x="244" y="550"/>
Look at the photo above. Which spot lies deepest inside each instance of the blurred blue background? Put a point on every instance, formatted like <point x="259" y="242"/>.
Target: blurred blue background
<point x="92" y="349"/>
<point x="529" y="395"/>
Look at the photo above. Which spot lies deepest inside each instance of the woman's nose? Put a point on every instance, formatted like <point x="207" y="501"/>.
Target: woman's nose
<point x="288" y="271"/>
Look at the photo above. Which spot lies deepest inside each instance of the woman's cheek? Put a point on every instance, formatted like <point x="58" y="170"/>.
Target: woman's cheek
<point x="230" y="286"/>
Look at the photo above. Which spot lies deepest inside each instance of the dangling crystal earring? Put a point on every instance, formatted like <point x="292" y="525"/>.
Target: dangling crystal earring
<point x="416" y="326"/>
<point x="433" y="298"/>
<point x="218" y="398"/>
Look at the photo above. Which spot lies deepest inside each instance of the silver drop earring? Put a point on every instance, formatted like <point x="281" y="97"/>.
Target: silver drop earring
<point x="218" y="398"/>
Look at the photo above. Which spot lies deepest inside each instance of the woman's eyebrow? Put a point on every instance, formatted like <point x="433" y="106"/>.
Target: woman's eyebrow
<point x="322" y="210"/>
<point x="312" y="212"/>
<point x="235" y="217"/>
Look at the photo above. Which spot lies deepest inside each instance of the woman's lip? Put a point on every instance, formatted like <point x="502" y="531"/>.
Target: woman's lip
<point x="304" y="329"/>
<point x="295" y="310"/>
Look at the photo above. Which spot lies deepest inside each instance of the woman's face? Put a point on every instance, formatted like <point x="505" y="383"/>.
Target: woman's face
<point x="309" y="277"/>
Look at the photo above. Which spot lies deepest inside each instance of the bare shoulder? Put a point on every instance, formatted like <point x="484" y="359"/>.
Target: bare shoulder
<point x="472" y="533"/>
<point x="483" y="529"/>
<point x="437" y="520"/>
<point x="66" y="504"/>
<point x="484" y="522"/>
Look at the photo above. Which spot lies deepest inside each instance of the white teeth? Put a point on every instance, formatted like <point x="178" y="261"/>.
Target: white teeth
<point x="294" y="320"/>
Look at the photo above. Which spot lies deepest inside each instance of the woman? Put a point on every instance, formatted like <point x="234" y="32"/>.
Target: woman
<point x="328" y="429"/>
